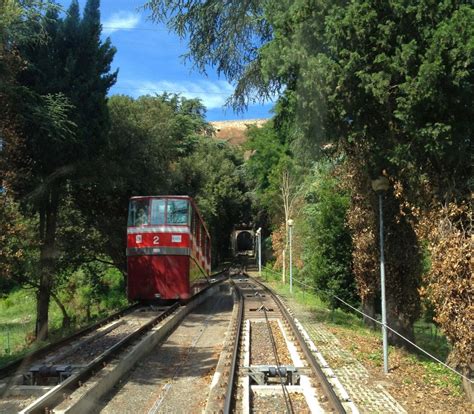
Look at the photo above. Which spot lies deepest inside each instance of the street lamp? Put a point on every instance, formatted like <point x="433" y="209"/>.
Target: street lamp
<point x="290" y="227"/>
<point x="381" y="185"/>
<point x="259" y="247"/>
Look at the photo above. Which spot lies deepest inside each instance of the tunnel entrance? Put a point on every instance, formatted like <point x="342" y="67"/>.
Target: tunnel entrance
<point x="244" y="242"/>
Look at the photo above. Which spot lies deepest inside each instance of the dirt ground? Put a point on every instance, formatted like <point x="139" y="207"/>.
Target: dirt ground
<point x="408" y="381"/>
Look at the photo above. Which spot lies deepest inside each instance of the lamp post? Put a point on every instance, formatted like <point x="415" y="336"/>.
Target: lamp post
<point x="259" y="247"/>
<point x="380" y="185"/>
<point x="290" y="227"/>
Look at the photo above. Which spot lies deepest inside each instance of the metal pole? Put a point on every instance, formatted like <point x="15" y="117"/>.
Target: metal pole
<point x="382" y="287"/>
<point x="283" y="275"/>
<point x="291" y="262"/>
<point x="260" y="254"/>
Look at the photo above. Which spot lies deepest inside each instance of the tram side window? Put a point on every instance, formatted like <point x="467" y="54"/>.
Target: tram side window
<point x="138" y="213"/>
<point x="158" y="211"/>
<point x="196" y="230"/>
<point x="177" y="212"/>
<point x="193" y="222"/>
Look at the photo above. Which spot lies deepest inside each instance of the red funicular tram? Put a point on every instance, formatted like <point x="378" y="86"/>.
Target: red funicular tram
<point x="168" y="248"/>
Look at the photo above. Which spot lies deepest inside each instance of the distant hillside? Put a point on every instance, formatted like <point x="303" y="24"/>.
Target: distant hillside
<point x="234" y="131"/>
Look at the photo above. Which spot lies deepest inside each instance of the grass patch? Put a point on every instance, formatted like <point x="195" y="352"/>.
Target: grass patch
<point x="438" y="375"/>
<point x="429" y="338"/>
<point x="18" y="314"/>
<point x="318" y="307"/>
<point x="17" y="324"/>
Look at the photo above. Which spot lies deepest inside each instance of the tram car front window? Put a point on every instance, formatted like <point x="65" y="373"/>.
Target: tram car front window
<point x="177" y="212"/>
<point x="138" y="213"/>
<point x="158" y="211"/>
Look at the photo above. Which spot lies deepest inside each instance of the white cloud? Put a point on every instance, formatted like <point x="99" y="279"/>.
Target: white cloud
<point x="120" y="20"/>
<point x="213" y="94"/>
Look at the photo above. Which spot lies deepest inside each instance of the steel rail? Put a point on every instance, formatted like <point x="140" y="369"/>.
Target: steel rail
<point x="15" y="365"/>
<point x="286" y="394"/>
<point x="8" y="369"/>
<point x="229" y="391"/>
<point x="230" y="383"/>
<point x="54" y="396"/>
<point x="324" y="382"/>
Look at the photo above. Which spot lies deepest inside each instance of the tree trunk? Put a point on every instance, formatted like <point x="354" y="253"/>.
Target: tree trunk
<point x="368" y="307"/>
<point x="42" y="306"/>
<point x="401" y="323"/>
<point x="88" y="311"/>
<point x="468" y="385"/>
<point x="66" y="323"/>
<point x="48" y="224"/>
<point x="44" y="292"/>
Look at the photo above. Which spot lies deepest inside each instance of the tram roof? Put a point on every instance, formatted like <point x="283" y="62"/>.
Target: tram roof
<point x="161" y="196"/>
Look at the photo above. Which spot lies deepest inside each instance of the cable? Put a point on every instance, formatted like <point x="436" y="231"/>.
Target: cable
<point x="406" y="339"/>
<point x="380" y="323"/>
<point x="286" y="394"/>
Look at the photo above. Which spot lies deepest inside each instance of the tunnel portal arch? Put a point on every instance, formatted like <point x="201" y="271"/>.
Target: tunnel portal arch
<point x="243" y="242"/>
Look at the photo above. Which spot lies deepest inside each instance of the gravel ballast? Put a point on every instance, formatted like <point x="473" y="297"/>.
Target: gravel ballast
<point x="176" y="377"/>
<point x="261" y="350"/>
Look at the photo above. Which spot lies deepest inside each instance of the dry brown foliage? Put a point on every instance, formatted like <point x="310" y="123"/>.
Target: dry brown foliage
<point x="450" y="283"/>
<point x="15" y="239"/>
<point x="362" y="222"/>
<point x="278" y="244"/>
<point x="402" y="253"/>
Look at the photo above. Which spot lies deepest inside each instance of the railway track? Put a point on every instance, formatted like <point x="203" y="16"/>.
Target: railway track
<point x="17" y="365"/>
<point x="234" y="348"/>
<point x="49" y="380"/>
<point x="59" y="372"/>
<point x="176" y="375"/>
<point x="268" y="366"/>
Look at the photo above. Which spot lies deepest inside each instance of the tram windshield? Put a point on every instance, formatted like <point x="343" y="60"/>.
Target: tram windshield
<point x="138" y="213"/>
<point x="158" y="211"/>
<point x="177" y="212"/>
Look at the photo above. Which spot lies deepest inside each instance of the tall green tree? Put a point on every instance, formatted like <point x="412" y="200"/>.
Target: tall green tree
<point x="327" y="243"/>
<point x="213" y="175"/>
<point x="63" y="118"/>
<point x="263" y="168"/>
<point x="391" y="82"/>
<point x="225" y="35"/>
<point x="142" y="144"/>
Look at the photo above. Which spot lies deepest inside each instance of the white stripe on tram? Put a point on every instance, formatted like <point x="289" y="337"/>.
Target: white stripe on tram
<point x="158" y="229"/>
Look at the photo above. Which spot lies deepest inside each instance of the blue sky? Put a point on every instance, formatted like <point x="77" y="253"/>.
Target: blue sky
<point x="149" y="61"/>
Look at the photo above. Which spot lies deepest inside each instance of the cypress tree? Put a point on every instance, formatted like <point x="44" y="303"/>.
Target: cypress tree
<point x="65" y="122"/>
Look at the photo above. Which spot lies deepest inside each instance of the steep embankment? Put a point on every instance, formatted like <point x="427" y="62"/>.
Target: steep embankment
<point x="234" y="131"/>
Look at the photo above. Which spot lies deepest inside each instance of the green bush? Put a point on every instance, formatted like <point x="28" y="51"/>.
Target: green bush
<point x="326" y="239"/>
<point x="114" y="296"/>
